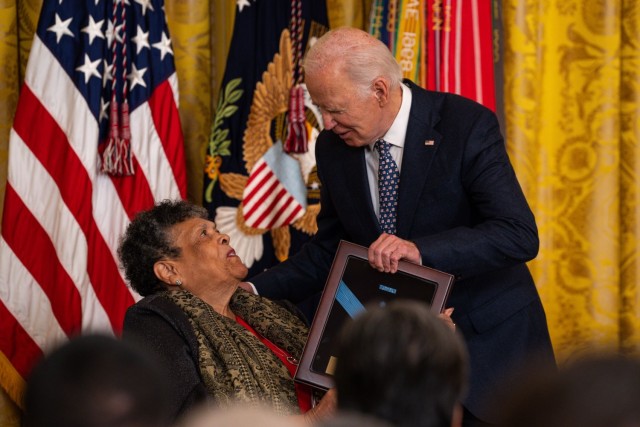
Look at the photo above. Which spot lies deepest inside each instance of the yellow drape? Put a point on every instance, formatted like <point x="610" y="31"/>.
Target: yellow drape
<point x="572" y="118"/>
<point x="18" y="20"/>
<point x="200" y="31"/>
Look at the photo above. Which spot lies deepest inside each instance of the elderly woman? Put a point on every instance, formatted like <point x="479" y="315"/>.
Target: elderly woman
<point x="219" y="342"/>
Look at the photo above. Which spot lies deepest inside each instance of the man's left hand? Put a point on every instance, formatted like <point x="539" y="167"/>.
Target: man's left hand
<point x="385" y="253"/>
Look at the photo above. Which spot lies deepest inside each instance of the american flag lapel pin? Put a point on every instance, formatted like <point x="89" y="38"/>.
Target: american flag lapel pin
<point x="429" y="142"/>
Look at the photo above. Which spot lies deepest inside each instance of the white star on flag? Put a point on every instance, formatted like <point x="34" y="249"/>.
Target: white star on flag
<point x="89" y="68"/>
<point x="242" y="3"/>
<point x="61" y="28"/>
<point x="141" y="39"/>
<point x="136" y="77"/>
<point x="111" y="33"/>
<point x="108" y="73"/>
<point x="145" y="4"/>
<point x="164" y="46"/>
<point x="94" y="29"/>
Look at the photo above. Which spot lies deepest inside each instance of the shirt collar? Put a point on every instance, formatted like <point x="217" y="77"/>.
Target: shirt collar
<point x="398" y="130"/>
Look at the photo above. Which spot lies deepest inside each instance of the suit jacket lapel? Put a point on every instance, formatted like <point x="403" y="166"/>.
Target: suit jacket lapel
<point x="350" y="163"/>
<point x="421" y="143"/>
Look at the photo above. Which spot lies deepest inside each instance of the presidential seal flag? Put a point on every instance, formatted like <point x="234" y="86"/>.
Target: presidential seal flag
<point x="261" y="185"/>
<point x="96" y="138"/>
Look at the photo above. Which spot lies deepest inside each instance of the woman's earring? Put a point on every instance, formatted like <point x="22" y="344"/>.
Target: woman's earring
<point x="178" y="282"/>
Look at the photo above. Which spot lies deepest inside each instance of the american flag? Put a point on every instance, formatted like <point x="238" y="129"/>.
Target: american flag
<point x="63" y="215"/>
<point x="275" y="194"/>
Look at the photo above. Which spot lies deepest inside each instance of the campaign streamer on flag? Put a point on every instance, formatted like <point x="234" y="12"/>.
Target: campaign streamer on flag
<point x="95" y="139"/>
<point x="260" y="181"/>
<point x="443" y="45"/>
<point x="460" y="46"/>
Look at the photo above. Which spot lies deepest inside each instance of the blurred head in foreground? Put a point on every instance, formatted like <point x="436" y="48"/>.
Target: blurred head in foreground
<point x="402" y="364"/>
<point x="236" y="416"/>
<point x="598" y="390"/>
<point x="95" y="381"/>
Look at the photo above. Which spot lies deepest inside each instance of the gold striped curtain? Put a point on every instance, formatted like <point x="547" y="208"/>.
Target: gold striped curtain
<point x="18" y="20"/>
<point x="13" y="53"/>
<point x="572" y="92"/>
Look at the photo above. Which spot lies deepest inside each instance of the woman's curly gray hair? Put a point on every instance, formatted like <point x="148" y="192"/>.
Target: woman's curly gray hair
<point x="148" y="239"/>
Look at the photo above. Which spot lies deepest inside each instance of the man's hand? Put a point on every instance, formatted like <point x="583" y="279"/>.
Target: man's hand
<point x="388" y="249"/>
<point x="324" y="410"/>
<point x="445" y="316"/>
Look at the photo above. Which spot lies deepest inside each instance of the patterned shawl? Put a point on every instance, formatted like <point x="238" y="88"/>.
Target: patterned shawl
<point x="234" y="364"/>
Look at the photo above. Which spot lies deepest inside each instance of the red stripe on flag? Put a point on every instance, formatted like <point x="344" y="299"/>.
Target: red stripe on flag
<point x="16" y="344"/>
<point x="293" y="214"/>
<point x="486" y="46"/>
<point x="33" y="246"/>
<point x="253" y="176"/>
<point x="269" y="210"/>
<point x="290" y="200"/>
<point x="264" y="196"/>
<point x="167" y="121"/>
<point x="133" y="191"/>
<point x="50" y="146"/>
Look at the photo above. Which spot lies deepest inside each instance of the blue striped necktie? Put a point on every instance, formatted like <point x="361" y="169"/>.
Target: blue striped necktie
<point x="388" y="181"/>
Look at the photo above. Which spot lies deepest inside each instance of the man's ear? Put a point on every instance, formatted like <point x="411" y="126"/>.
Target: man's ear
<point x="381" y="89"/>
<point x="166" y="271"/>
